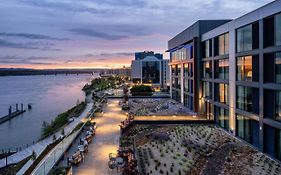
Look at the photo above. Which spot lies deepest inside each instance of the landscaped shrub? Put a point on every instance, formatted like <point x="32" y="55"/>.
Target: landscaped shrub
<point x="141" y="90"/>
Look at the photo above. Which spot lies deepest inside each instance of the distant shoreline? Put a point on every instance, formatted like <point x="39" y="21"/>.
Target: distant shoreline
<point x="25" y="72"/>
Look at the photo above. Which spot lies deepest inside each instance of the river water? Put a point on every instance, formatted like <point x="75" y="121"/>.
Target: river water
<point x="49" y="95"/>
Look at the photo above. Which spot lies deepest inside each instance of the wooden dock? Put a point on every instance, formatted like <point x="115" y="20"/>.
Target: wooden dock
<point x="10" y="116"/>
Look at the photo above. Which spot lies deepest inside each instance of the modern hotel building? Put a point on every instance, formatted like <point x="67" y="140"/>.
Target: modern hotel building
<point x="230" y="71"/>
<point x="150" y="68"/>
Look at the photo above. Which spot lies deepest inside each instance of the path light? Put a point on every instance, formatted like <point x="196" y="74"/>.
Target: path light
<point x="154" y="116"/>
<point x="194" y="116"/>
<point x="174" y="116"/>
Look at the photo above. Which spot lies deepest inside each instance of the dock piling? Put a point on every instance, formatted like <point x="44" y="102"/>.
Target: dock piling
<point x="17" y="107"/>
<point x="10" y="110"/>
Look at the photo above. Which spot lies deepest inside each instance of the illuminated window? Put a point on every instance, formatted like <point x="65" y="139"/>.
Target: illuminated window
<point x="207" y="69"/>
<point x="222" y="69"/>
<point x="247" y="68"/>
<point x="222" y="93"/>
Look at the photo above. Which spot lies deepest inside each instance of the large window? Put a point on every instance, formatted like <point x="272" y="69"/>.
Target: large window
<point x="248" y="68"/>
<point x="176" y="95"/>
<point x="207" y="69"/>
<point x="222" y="44"/>
<point x="207" y="48"/>
<point x="186" y="70"/>
<point x="221" y="69"/>
<point x="247" y="129"/>
<point x="178" y="70"/>
<point x="207" y="90"/>
<point x="278" y="105"/>
<point x="247" y="38"/>
<point x="221" y="93"/>
<point x="278" y="67"/>
<point x="186" y="84"/>
<point x="174" y="70"/>
<point x="272" y="67"/>
<point x="183" y="53"/>
<point x="247" y="99"/>
<point x="188" y="101"/>
<point x="151" y="72"/>
<point x="278" y="144"/>
<point x="277" y="28"/>
<point x="223" y="117"/>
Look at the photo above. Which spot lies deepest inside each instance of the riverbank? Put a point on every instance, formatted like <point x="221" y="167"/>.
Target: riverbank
<point x="62" y="120"/>
<point x="49" y="95"/>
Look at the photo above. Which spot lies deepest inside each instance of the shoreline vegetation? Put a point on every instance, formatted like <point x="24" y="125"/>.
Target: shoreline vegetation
<point x="61" y="120"/>
<point x="99" y="84"/>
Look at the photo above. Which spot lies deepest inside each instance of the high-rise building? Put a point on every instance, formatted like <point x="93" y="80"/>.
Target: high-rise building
<point x="230" y="71"/>
<point x="150" y="68"/>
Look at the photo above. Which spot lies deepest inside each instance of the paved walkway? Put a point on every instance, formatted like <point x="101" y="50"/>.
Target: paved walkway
<point x="40" y="146"/>
<point x="105" y="141"/>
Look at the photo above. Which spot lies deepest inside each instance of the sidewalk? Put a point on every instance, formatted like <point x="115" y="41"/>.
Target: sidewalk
<point x="105" y="141"/>
<point x="40" y="146"/>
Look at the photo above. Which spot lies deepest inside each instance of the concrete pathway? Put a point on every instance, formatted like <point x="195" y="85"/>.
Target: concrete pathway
<point x="40" y="146"/>
<point x="105" y="141"/>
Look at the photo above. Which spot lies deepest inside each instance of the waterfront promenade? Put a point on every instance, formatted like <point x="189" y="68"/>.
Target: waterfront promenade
<point x="41" y="145"/>
<point x="105" y="141"/>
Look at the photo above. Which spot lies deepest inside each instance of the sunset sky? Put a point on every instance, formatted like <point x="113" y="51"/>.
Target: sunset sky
<point x="99" y="33"/>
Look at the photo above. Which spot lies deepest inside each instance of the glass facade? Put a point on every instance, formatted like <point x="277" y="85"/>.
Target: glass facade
<point x="247" y="68"/>
<point x="222" y="69"/>
<point x="222" y="93"/>
<point x="184" y="53"/>
<point x="207" y="69"/>
<point x="247" y="129"/>
<point x="207" y="90"/>
<point x="151" y="72"/>
<point x="277" y="29"/>
<point x="247" y="99"/>
<point x="223" y="44"/>
<point x="244" y="38"/>
<point x="223" y="117"/>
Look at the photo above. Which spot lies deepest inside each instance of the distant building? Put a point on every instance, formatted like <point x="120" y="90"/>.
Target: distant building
<point x="142" y="55"/>
<point x="150" y="68"/>
<point x="125" y="71"/>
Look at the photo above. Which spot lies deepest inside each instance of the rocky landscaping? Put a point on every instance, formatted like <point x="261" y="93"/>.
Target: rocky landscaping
<point x="195" y="149"/>
<point x="159" y="106"/>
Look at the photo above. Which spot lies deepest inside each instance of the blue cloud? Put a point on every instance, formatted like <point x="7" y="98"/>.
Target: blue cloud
<point x="32" y="36"/>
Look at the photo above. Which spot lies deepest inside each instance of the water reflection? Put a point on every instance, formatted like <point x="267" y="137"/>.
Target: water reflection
<point x="49" y="96"/>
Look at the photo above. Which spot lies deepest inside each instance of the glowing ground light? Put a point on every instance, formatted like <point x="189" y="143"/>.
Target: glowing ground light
<point x="174" y="116"/>
<point x="154" y="116"/>
<point x="194" y="116"/>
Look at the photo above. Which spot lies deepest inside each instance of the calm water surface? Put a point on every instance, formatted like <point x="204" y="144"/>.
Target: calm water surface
<point x="49" y="96"/>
